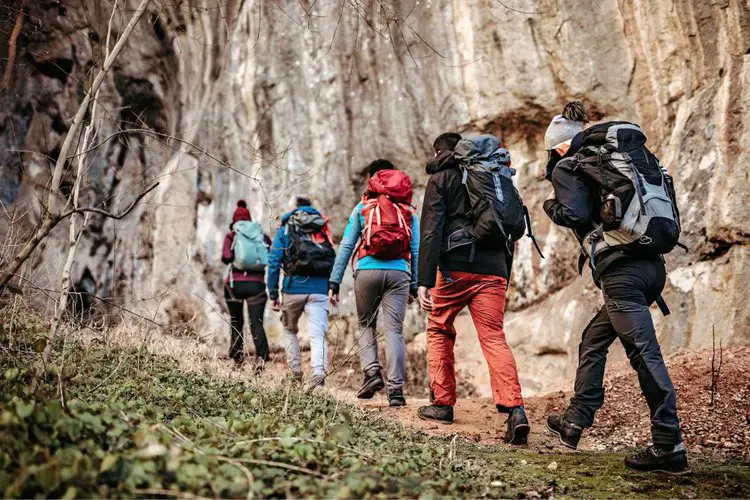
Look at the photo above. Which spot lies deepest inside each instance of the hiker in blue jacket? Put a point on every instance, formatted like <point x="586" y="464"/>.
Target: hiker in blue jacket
<point x="384" y="275"/>
<point x="303" y="249"/>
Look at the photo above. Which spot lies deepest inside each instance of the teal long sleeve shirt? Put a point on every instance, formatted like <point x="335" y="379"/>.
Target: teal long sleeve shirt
<point x="351" y="238"/>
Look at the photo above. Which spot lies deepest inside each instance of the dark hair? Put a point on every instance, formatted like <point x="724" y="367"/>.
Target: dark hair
<point x="575" y="111"/>
<point x="303" y="201"/>
<point x="446" y="141"/>
<point x="379" y="165"/>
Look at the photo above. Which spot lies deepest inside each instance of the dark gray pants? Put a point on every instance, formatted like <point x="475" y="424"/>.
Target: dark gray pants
<point x="387" y="290"/>
<point x="629" y="287"/>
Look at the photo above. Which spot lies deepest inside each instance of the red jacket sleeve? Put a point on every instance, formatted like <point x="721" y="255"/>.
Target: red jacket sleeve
<point x="227" y="255"/>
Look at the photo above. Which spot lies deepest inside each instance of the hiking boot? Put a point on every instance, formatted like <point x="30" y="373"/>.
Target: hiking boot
<point x="373" y="383"/>
<point x="317" y="382"/>
<point x="438" y="413"/>
<point x="518" y="428"/>
<point x="396" y="397"/>
<point x="568" y="433"/>
<point x="657" y="459"/>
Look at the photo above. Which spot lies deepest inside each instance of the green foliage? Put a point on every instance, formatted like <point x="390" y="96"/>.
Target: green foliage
<point x="135" y="424"/>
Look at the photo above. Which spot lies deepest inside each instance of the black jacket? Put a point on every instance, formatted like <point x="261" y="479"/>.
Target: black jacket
<point x="577" y="203"/>
<point x="445" y="206"/>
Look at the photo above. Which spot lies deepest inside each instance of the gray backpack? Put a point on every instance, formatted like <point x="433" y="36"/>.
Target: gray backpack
<point x="639" y="212"/>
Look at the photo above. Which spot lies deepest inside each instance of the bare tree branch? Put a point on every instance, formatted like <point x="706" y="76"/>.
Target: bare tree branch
<point x="106" y="213"/>
<point x="12" y="45"/>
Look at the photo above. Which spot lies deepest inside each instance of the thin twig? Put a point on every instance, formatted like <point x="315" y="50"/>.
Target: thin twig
<point x="111" y="215"/>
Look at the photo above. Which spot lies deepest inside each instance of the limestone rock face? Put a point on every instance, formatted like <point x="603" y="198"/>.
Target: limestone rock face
<point x="264" y="101"/>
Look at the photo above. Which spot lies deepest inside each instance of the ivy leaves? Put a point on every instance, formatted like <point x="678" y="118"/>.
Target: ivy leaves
<point x="148" y="427"/>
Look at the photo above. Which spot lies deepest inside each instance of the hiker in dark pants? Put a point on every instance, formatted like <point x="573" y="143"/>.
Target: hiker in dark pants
<point x="385" y="273"/>
<point x="241" y="287"/>
<point x="631" y="279"/>
<point x="459" y="269"/>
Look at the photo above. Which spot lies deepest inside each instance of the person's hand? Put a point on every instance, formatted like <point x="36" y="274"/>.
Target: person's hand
<point x="333" y="298"/>
<point x="425" y="298"/>
<point x="276" y="305"/>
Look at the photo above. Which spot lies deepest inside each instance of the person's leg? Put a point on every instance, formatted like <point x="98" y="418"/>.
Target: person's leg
<point x="316" y="310"/>
<point x="368" y="291"/>
<point x="448" y="298"/>
<point x="630" y="289"/>
<point x="291" y="310"/>
<point x="256" y="307"/>
<point x="235" y="306"/>
<point x="393" y="305"/>
<point x="487" y="308"/>
<point x="588" y="396"/>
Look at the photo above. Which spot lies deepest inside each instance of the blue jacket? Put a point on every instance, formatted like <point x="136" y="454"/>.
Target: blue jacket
<point x="349" y="243"/>
<point x="291" y="284"/>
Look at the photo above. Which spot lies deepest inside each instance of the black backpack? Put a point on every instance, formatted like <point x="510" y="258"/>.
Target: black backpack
<point x="639" y="212"/>
<point x="310" y="251"/>
<point x="497" y="218"/>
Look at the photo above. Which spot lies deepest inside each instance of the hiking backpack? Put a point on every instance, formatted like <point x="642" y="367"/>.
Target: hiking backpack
<point x="638" y="205"/>
<point x="497" y="216"/>
<point x="310" y="251"/>
<point x="387" y="211"/>
<point x="249" y="247"/>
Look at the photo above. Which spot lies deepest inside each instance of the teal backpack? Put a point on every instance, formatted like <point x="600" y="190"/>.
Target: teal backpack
<point x="249" y="247"/>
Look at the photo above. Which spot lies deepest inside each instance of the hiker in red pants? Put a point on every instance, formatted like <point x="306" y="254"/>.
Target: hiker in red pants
<point x="458" y="269"/>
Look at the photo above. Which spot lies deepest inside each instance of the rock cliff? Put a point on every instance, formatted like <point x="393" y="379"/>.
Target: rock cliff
<point x="225" y="99"/>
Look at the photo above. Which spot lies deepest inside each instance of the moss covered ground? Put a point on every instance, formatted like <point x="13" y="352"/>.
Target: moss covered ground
<point x="109" y="422"/>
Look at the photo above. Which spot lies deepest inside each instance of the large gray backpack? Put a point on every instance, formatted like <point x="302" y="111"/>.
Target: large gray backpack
<point x="639" y="212"/>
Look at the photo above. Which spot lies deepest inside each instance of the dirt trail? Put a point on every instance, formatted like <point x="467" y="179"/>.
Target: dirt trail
<point x="476" y="420"/>
<point x="721" y="428"/>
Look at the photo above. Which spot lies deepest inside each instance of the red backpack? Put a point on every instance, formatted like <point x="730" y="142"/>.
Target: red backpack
<point x="387" y="210"/>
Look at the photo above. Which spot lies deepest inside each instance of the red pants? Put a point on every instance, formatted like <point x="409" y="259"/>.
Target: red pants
<point x="485" y="297"/>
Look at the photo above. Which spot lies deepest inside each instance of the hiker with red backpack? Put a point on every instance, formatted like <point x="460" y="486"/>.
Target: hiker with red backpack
<point x="246" y="253"/>
<point x="303" y="249"/>
<point x="620" y="203"/>
<point x="471" y="218"/>
<point x="385" y="273"/>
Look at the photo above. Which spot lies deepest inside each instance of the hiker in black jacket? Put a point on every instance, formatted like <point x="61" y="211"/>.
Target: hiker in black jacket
<point x="630" y="283"/>
<point x="468" y="275"/>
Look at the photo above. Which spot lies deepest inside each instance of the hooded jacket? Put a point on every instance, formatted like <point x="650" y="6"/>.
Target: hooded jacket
<point x="291" y="284"/>
<point x="445" y="206"/>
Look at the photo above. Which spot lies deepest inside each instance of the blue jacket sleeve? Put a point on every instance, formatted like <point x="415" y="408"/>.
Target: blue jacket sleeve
<point x="275" y="258"/>
<point x="414" y="251"/>
<point x="347" y="246"/>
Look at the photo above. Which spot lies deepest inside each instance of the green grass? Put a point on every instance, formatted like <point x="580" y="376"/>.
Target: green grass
<point x="136" y="425"/>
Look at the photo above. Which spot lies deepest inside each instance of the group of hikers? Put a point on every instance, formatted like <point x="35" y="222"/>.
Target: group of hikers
<point x="607" y="187"/>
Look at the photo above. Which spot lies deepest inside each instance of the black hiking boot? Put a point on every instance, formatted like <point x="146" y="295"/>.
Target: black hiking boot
<point x="518" y="428"/>
<point x="656" y="459"/>
<point x="396" y="397"/>
<point x="439" y="413"/>
<point x="568" y="433"/>
<point x="373" y="383"/>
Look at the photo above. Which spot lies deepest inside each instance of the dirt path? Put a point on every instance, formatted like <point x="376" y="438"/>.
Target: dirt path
<point x="476" y="420"/>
